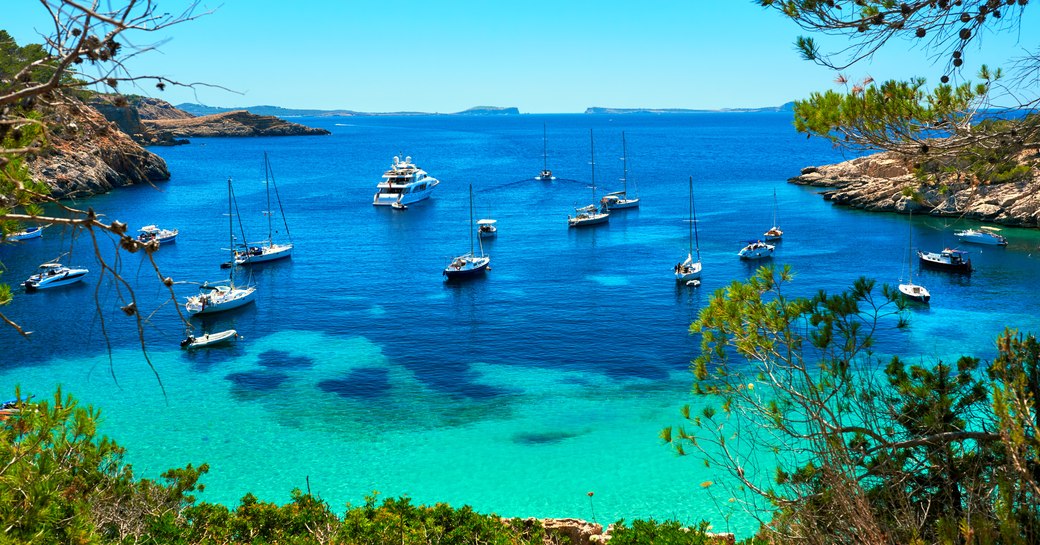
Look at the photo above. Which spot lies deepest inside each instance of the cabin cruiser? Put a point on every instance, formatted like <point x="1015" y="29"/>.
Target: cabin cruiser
<point x="947" y="260"/>
<point x="982" y="235"/>
<point x="162" y="236"/>
<point x="756" y="249"/>
<point x="404" y="184"/>
<point x="52" y="275"/>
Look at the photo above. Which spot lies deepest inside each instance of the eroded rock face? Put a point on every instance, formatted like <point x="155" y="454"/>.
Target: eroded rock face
<point x="87" y="154"/>
<point x="885" y="182"/>
<point x="236" y="123"/>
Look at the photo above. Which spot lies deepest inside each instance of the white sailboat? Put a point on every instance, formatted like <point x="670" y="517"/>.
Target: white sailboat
<point x="619" y="200"/>
<point x="909" y="289"/>
<point x="690" y="270"/>
<point x="774" y="232"/>
<point x="267" y="250"/>
<point x="591" y="214"/>
<point x="546" y="175"/>
<point x="468" y="265"/>
<point x="222" y="296"/>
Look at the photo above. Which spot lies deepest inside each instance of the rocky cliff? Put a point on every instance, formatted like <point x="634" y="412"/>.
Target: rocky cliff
<point x="128" y="113"/>
<point x="237" y="123"/>
<point x="885" y="182"/>
<point x="86" y="154"/>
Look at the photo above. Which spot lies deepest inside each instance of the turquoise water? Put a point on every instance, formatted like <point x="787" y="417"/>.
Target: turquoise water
<point x="361" y="370"/>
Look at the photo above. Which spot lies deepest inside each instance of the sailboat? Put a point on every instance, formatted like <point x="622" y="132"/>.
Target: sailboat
<point x="911" y="290"/>
<point x="774" y="232"/>
<point x="619" y="199"/>
<point x="469" y="265"/>
<point x="546" y="174"/>
<point x="219" y="297"/>
<point x="690" y="270"/>
<point x="591" y="214"/>
<point x="267" y="250"/>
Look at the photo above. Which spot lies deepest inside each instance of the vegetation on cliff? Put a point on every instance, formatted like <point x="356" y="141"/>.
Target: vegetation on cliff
<point x="840" y="445"/>
<point x="985" y="129"/>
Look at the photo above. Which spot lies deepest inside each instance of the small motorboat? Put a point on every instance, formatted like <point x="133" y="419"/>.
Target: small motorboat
<point x="398" y="206"/>
<point x="486" y="228"/>
<point x="12" y="407"/>
<point x="52" y="275"/>
<point x="756" y="249"/>
<point x="162" y="236"/>
<point x="192" y="342"/>
<point x="34" y="232"/>
<point x="947" y="260"/>
<point x="983" y="235"/>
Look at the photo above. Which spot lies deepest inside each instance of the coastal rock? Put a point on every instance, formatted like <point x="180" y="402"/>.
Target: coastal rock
<point x="86" y="154"/>
<point x="236" y="123"/>
<point x="153" y="108"/>
<point x="582" y="532"/>
<point x="885" y="182"/>
<point x="127" y="116"/>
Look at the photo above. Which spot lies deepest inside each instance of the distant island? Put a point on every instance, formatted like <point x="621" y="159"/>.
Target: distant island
<point x="201" y="110"/>
<point x="786" y="107"/>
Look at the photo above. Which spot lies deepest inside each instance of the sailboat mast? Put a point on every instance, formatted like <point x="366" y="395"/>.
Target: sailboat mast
<point x="471" y="226"/>
<point x="545" y="149"/>
<point x="592" y="153"/>
<point x="910" y="247"/>
<point x="624" y="165"/>
<point x="231" y="233"/>
<point x="775" y="224"/>
<point x="267" y="182"/>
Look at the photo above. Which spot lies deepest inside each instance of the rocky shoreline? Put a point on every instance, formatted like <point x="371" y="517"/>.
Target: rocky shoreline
<point x="885" y="182"/>
<point x="87" y="155"/>
<point x="583" y="532"/>
<point x="236" y="123"/>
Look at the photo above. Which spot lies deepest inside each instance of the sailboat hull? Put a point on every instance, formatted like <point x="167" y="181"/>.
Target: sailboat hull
<point x="467" y="267"/>
<point x="264" y="254"/>
<point x="914" y="292"/>
<point x="237" y="297"/>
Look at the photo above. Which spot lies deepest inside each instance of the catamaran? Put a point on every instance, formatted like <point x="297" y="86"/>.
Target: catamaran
<point x="690" y="270"/>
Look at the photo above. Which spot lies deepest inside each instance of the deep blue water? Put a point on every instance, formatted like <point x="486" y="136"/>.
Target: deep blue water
<point x="516" y="393"/>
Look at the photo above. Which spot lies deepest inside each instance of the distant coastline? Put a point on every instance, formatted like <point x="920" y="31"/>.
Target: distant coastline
<point x="202" y="110"/>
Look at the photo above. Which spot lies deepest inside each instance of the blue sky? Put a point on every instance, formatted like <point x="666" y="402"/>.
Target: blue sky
<point x="538" y="55"/>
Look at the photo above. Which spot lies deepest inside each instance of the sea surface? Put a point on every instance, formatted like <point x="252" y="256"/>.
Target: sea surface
<point x="361" y="370"/>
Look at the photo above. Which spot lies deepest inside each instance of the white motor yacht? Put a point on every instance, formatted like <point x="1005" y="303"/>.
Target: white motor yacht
<point x="52" y="275"/>
<point x="982" y="235"/>
<point x="404" y="184"/>
<point x="162" y="236"/>
<point x="756" y="249"/>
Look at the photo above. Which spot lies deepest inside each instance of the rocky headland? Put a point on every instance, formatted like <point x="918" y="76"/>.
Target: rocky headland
<point x="236" y="123"/>
<point x="86" y="154"/>
<point x="885" y="182"/>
